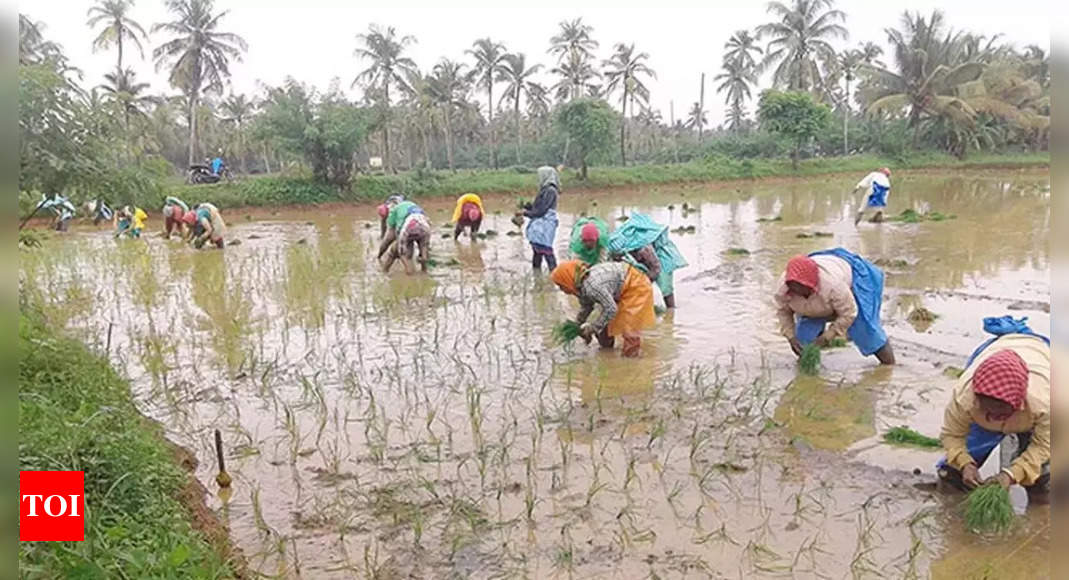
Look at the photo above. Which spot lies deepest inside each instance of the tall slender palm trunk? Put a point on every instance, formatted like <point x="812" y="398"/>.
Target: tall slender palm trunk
<point x="386" y="165"/>
<point x="519" y="130"/>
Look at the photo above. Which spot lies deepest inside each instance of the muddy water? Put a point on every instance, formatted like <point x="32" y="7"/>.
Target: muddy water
<point x="389" y="426"/>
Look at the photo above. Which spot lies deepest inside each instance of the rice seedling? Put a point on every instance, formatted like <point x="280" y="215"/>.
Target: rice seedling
<point x="988" y="510"/>
<point x="777" y="218"/>
<point x="736" y="252"/>
<point x="905" y="436"/>
<point x="565" y="332"/>
<point x="809" y="362"/>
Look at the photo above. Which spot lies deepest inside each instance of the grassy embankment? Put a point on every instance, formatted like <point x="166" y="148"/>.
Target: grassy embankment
<point x="277" y="190"/>
<point x="145" y="517"/>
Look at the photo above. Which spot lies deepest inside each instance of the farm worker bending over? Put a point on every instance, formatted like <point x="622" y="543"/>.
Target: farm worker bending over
<point x="1005" y="389"/>
<point x="874" y="188"/>
<point x="837" y="290"/>
<point x="468" y="214"/>
<point x="542" y="229"/>
<point x="623" y="293"/>
<point x="384" y="212"/>
<point x="645" y="244"/>
<point x="406" y="227"/>
<point x="590" y="236"/>
<point x="130" y="221"/>
<point x="209" y="225"/>
<point x="173" y="211"/>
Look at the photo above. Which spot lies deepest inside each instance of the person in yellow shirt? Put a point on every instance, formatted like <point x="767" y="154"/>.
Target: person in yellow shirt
<point x="468" y="213"/>
<point x="1005" y="389"/>
<point x="129" y="222"/>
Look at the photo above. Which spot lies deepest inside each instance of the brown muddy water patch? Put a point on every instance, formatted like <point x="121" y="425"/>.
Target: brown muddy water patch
<point x="425" y="426"/>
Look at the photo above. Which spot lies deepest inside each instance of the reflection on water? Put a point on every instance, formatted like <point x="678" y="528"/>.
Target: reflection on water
<point x="397" y="425"/>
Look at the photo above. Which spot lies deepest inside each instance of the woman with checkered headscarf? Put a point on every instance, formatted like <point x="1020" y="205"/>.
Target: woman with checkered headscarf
<point x="1005" y="390"/>
<point x="832" y="294"/>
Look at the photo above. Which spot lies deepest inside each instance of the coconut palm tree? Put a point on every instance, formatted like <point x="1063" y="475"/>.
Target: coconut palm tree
<point x="736" y="81"/>
<point x="118" y="27"/>
<point x="622" y="72"/>
<point x="123" y="88"/>
<point x="799" y="41"/>
<point x="449" y="84"/>
<point x="388" y="67"/>
<point x="1037" y="63"/>
<point x="573" y="38"/>
<point x="237" y="111"/>
<point x="489" y="66"/>
<point x="517" y="76"/>
<point x="696" y="118"/>
<point x="577" y="77"/>
<point x="198" y="54"/>
<point x="929" y="63"/>
<point x="538" y="107"/>
<point x="574" y="49"/>
<point x="742" y="48"/>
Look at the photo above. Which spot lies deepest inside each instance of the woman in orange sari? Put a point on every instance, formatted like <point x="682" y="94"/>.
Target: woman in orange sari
<point x="623" y="293"/>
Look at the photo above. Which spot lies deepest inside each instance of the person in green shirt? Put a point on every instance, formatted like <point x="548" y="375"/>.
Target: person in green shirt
<point x="406" y="228"/>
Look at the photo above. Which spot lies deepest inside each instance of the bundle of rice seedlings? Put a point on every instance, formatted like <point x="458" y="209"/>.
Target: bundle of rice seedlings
<point x="905" y="436"/>
<point x="809" y="362"/>
<point x="566" y="332"/>
<point x="837" y="343"/>
<point x="988" y="509"/>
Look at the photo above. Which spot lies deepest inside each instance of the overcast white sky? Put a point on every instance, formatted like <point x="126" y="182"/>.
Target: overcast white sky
<point x="313" y="40"/>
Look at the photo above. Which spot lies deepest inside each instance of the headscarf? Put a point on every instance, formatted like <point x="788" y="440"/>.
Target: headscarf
<point x="568" y="275"/>
<point x="474" y="214"/>
<point x="885" y="171"/>
<point x="579" y="249"/>
<point x="803" y="270"/>
<point x="1002" y="376"/>
<point x="590" y="232"/>
<point x="189" y="217"/>
<point x="384" y="210"/>
<point x="547" y="175"/>
<point x="467" y="198"/>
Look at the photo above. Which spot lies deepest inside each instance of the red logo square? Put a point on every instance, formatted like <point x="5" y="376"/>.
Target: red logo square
<point x="51" y="506"/>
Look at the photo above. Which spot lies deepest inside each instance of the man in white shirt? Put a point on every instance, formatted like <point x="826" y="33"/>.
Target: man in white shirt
<point x="876" y="186"/>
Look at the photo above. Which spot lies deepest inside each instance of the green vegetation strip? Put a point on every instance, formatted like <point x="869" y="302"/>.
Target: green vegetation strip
<point x="77" y="414"/>
<point x="906" y="436"/>
<point x="988" y="509"/>
<point x="276" y="190"/>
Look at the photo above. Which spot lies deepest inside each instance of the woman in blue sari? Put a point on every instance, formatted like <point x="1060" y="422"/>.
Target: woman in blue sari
<point x="542" y="229"/>
<point x="833" y="294"/>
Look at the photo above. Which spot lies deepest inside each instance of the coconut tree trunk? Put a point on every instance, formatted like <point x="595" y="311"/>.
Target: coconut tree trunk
<point x="267" y="161"/>
<point x="519" y="130"/>
<point x="846" y="118"/>
<point x="623" y="128"/>
<point x="490" y="116"/>
<point x="118" y="42"/>
<point x="386" y="129"/>
<point x="192" y="125"/>
<point x="449" y="139"/>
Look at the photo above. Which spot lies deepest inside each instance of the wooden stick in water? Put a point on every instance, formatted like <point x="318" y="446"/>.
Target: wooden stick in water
<point x="223" y="479"/>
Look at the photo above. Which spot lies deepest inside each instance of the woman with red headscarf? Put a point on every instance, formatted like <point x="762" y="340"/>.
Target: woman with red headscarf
<point x="1004" y="390"/>
<point x="468" y="213"/>
<point x="589" y="238"/>
<point x="833" y="294"/>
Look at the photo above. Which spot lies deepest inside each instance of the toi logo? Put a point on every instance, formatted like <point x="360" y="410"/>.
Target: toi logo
<point x="51" y="506"/>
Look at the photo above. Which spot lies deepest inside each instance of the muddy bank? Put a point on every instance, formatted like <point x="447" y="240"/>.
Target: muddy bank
<point x="146" y="514"/>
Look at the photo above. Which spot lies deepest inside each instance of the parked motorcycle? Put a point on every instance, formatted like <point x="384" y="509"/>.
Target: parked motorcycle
<point x="202" y="173"/>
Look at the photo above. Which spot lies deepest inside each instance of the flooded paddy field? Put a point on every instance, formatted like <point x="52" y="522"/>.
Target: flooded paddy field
<point x="425" y="426"/>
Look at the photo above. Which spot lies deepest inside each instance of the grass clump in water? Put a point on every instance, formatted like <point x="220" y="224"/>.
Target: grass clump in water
<point x="432" y="263"/>
<point x="809" y="362"/>
<point x="905" y="436"/>
<point x="922" y="314"/>
<point x="737" y="252"/>
<point x="988" y="509"/>
<point x="765" y="220"/>
<point x="565" y="332"/>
